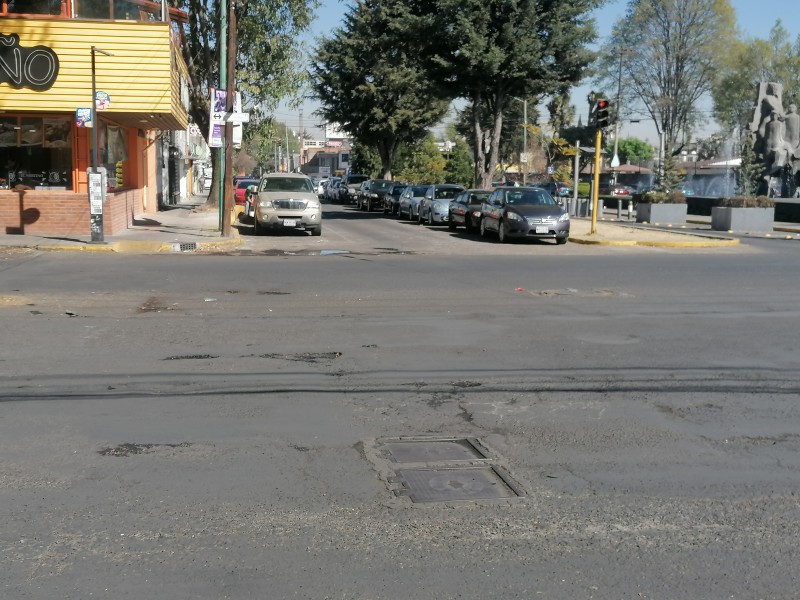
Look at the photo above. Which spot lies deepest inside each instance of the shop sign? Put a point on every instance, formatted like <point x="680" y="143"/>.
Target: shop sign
<point x="83" y="117"/>
<point x="102" y="100"/>
<point x="35" y="68"/>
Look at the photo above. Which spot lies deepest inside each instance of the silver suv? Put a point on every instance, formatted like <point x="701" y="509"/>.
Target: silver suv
<point x="287" y="201"/>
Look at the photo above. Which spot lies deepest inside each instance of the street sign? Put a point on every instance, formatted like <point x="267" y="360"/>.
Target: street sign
<point x="550" y="170"/>
<point x="95" y="193"/>
<point x="220" y="118"/>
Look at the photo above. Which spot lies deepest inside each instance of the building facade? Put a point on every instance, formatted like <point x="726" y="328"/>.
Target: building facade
<point x="46" y="74"/>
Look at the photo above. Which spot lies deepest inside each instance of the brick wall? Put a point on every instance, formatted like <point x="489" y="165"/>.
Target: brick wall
<point x="65" y="214"/>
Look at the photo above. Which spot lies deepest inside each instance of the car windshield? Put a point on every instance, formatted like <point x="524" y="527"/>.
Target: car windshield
<point x="478" y="197"/>
<point x="419" y="190"/>
<point x="381" y="184"/>
<point x="356" y="179"/>
<point x="398" y="189"/>
<point x="447" y="193"/>
<point x="244" y="183"/>
<point x="529" y="198"/>
<point x="286" y="184"/>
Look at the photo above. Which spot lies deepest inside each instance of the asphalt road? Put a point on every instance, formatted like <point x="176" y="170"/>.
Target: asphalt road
<point x="191" y="426"/>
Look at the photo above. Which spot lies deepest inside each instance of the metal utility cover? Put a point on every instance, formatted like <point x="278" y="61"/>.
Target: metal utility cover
<point x="452" y="484"/>
<point x="433" y="451"/>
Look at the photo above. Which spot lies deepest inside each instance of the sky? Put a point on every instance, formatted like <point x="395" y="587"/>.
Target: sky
<point x="752" y="19"/>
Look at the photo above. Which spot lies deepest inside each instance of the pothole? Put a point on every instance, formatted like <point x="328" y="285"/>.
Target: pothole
<point x="130" y="449"/>
<point x="309" y="357"/>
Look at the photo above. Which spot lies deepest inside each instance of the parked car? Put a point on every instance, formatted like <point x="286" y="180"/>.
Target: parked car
<point x="332" y="189"/>
<point x="372" y="192"/>
<point x="348" y="188"/>
<point x="434" y="208"/>
<point x="465" y="209"/>
<point x="391" y="200"/>
<point x="320" y="187"/>
<point x="555" y="188"/>
<point x="240" y="187"/>
<point x="286" y="201"/>
<point x="526" y="212"/>
<point x="611" y="189"/>
<point x="408" y="207"/>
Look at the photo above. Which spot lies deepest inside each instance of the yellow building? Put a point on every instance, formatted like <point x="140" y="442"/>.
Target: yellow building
<point x="46" y="93"/>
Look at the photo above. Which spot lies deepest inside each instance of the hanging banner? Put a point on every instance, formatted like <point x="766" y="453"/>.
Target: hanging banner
<point x="216" y="134"/>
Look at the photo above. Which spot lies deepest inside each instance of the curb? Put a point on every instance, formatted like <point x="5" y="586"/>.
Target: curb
<point x="705" y="243"/>
<point x="144" y="247"/>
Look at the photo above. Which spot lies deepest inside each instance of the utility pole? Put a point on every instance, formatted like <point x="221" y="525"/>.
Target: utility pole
<point x="231" y="89"/>
<point x="288" y="154"/>
<point x="525" y="140"/>
<point x="596" y="186"/>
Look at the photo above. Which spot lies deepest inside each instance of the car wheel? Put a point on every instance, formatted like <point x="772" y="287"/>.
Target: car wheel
<point x="369" y="205"/>
<point x="317" y="231"/>
<point x="450" y="224"/>
<point x="561" y="240"/>
<point x="484" y="231"/>
<point x="502" y="235"/>
<point x="419" y="217"/>
<point x="430" y="218"/>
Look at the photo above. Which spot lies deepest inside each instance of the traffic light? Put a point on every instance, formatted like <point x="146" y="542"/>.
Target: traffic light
<point x="601" y="113"/>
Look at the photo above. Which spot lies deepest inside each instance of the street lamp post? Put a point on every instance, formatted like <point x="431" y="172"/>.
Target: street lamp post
<point x="96" y="183"/>
<point x="525" y="141"/>
<point x="524" y="153"/>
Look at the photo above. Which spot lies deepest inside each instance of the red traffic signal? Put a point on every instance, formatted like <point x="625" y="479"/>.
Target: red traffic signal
<point x="601" y="113"/>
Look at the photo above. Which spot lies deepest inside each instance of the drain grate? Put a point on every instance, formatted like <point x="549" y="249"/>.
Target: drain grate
<point x="184" y="247"/>
<point x="434" y="450"/>
<point x="443" y="469"/>
<point x="453" y="484"/>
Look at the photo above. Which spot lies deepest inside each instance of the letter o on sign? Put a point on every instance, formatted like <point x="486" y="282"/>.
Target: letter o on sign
<point x="41" y="68"/>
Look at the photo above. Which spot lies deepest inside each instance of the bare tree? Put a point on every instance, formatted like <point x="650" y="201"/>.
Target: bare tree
<point x="671" y="51"/>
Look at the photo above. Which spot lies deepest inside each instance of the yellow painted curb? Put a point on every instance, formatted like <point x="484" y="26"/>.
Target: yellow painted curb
<point x="707" y="243"/>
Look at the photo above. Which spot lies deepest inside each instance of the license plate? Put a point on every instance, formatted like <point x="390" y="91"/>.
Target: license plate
<point x="289" y="223"/>
<point x="542" y="229"/>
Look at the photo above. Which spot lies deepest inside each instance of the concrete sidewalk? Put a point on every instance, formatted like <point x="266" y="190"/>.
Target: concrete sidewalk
<point x="188" y="225"/>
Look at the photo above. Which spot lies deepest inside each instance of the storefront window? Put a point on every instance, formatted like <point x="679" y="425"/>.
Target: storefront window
<point x="36" y="153"/>
<point x="123" y="10"/>
<point x="33" y="7"/>
<point x="114" y="154"/>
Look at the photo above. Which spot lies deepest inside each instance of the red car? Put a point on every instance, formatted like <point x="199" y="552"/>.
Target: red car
<point x="614" y="190"/>
<point x="240" y="187"/>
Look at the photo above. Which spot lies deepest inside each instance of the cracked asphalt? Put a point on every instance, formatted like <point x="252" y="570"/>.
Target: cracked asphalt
<point x="194" y="426"/>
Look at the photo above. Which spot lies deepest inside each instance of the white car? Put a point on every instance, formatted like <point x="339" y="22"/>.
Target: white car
<point x="285" y="201"/>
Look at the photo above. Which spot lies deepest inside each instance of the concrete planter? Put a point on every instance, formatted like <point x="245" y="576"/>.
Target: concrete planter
<point x="671" y="214"/>
<point x="753" y="220"/>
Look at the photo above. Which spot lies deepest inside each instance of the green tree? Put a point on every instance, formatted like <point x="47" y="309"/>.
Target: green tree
<point x="426" y="165"/>
<point x="750" y="172"/>
<point x="490" y="51"/>
<point x="267" y="55"/>
<point x="673" y="176"/>
<point x="746" y="64"/>
<point x="365" y="160"/>
<point x="368" y="79"/>
<point x="459" y="168"/>
<point x="561" y="112"/>
<point x="632" y="150"/>
<point x="677" y="48"/>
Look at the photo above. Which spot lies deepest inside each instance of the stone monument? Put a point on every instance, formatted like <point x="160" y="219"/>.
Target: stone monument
<point x="776" y="141"/>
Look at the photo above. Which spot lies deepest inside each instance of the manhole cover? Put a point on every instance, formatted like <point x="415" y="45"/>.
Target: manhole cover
<point x="434" y="451"/>
<point x="452" y="484"/>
